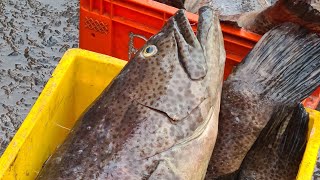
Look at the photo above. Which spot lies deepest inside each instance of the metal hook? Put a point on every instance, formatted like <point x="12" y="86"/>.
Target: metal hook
<point x="132" y="49"/>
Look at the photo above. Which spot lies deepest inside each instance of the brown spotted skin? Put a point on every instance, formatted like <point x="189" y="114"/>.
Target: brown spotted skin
<point x="278" y="71"/>
<point x="158" y="119"/>
<point x="278" y="151"/>
<point x="267" y="164"/>
<point x="296" y="11"/>
<point x="242" y="116"/>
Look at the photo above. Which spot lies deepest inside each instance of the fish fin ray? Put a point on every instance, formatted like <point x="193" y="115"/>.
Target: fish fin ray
<point x="284" y="65"/>
<point x="270" y="132"/>
<point x="281" y="144"/>
<point x="286" y="132"/>
<point x="294" y="139"/>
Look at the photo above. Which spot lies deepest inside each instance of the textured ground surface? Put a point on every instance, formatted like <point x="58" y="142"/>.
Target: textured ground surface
<point x="33" y="37"/>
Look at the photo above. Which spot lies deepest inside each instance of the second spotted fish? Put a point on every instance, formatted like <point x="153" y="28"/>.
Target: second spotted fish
<point x="281" y="70"/>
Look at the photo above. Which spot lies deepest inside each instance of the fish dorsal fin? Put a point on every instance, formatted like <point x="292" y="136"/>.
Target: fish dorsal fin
<point x="283" y="66"/>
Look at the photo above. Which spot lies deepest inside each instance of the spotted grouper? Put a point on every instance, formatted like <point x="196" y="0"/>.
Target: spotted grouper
<point x="278" y="151"/>
<point x="281" y="70"/>
<point x="158" y="118"/>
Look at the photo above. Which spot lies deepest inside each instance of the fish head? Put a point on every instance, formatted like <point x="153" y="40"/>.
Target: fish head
<point x="174" y="71"/>
<point x="176" y="42"/>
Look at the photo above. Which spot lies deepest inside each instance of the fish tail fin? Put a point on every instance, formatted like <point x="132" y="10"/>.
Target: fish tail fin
<point x="286" y="131"/>
<point x="284" y="65"/>
<point x="269" y="134"/>
<point x="294" y="139"/>
<point x="282" y="142"/>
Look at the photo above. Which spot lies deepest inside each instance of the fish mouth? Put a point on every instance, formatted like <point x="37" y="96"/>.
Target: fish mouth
<point x="180" y="24"/>
<point x="184" y="28"/>
<point x="189" y="49"/>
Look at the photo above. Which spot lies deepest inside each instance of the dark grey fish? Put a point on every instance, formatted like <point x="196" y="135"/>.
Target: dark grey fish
<point x="296" y="11"/>
<point x="281" y="70"/>
<point x="158" y="119"/>
<point x="260" y="16"/>
<point x="278" y="151"/>
<point x="223" y="7"/>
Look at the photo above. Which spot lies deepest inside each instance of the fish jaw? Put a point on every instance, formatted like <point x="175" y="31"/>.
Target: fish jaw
<point x="188" y="157"/>
<point x="210" y="36"/>
<point x="195" y="150"/>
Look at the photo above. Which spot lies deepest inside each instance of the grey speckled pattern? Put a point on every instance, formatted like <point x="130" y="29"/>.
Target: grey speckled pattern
<point x="266" y="78"/>
<point x="278" y="151"/>
<point x="158" y="118"/>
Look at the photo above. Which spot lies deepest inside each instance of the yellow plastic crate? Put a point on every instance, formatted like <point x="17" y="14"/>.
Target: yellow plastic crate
<point x="78" y="79"/>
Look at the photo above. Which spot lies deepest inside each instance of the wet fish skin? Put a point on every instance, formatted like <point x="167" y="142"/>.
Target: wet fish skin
<point x="315" y="4"/>
<point x="278" y="151"/>
<point x="194" y="5"/>
<point x="224" y="8"/>
<point x="158" y="118"/>
<point x="259" y="16"/>
<point x="278" y="71"/>
<point x="176" y="3"/>
<point x="295" y="11"/>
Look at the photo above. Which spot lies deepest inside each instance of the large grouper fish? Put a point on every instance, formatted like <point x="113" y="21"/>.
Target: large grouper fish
<point x="282" y="69"/>
<point x="158" y="119"/>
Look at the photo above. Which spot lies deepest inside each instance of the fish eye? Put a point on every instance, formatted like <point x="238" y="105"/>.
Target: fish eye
<point x="150" y="51"/>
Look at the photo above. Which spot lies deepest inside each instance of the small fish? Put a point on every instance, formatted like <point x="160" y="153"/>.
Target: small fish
<point x="259" y="16"/>
<point x="301" y="12"/>
<point x="281" y="70"/>
<point x="278" y="151"/>
<point x="223" y="7"/>
<point x="158" y="118"/>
